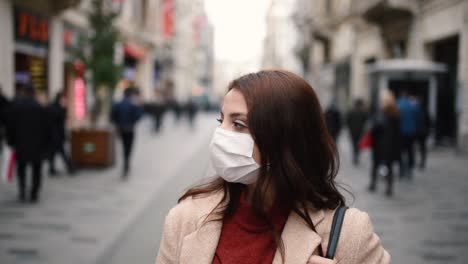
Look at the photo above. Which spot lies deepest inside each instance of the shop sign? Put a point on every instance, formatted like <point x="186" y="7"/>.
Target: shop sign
<point x="168" y="13"/>
<point x="31" y="28"/>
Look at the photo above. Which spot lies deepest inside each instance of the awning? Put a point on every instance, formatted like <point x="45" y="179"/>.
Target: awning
<point x="49" y="7"/>
<point x="134" y="50"/>
<point x="406" y="65"/>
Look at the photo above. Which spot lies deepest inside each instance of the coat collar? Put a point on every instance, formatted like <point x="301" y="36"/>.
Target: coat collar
<point x="300" y="242"/>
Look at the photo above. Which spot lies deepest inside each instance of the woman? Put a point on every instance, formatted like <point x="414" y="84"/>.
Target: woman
<point x="386" y="137"/>
<point x="274" y="197"/>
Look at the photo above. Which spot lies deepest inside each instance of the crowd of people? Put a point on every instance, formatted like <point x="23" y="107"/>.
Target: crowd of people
<point x="36" y="131"/>
<point x="393" y="131"/>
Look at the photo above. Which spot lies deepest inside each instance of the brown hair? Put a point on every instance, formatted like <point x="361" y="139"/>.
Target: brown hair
<point x="389" y="105"/>
<point x="299" y="160"/>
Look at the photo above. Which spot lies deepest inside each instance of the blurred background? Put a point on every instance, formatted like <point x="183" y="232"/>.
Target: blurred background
<point x="112" y="103"/>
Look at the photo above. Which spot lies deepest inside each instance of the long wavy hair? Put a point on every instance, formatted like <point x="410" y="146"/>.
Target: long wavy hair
<point x="299" y="160"/>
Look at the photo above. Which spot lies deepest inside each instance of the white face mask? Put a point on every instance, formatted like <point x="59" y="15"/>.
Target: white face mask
<point x="231" y="155"/>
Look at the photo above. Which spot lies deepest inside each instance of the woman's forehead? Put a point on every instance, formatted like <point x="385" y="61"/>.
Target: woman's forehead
<point x="234" y="101"/>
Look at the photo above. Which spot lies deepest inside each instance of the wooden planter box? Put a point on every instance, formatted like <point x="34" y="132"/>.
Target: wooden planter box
<point x="92" y="147"/>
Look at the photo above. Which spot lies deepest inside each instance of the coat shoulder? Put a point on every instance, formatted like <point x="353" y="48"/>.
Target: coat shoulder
<point x="358" y="242"/>
<point x="192" y="211"/>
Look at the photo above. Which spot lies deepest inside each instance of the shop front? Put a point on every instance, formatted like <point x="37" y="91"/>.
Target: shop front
<point x="31" y="50"/>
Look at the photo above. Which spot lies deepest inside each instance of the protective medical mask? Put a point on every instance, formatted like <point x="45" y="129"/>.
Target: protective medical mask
<point x="231" y="156"/>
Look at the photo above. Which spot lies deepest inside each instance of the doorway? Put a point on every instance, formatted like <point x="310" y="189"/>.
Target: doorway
<point x="446" y="51"/>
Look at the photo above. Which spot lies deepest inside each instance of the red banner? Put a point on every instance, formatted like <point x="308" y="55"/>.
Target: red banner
<point x="168" y="10"/>
<point x="197" y="25"/>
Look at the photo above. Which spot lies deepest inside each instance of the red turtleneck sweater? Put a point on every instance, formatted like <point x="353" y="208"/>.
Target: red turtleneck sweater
<point x="245" y="238"/>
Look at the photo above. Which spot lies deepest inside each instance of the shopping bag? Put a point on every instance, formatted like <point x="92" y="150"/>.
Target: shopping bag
<point x="366" y="141"/>
<point x="8" y="164"/>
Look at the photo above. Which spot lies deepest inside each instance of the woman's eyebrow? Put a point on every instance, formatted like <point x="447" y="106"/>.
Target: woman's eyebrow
<point x="232" y="115"/>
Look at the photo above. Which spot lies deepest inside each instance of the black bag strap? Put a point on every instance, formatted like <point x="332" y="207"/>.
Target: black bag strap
<point x="335" y="231"/>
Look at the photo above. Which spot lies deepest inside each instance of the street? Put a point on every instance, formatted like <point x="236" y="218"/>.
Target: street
<point x="96" y="217"/>
<point x="79" y="219"/>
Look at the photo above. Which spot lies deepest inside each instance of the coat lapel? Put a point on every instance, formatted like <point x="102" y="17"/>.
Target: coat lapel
<point x="300" y="242"/>
<point x="200" y="246"/>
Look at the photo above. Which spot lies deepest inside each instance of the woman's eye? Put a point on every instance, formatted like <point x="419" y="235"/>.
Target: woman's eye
<point x="219" y="120"/>
<point x="239" y="125"/>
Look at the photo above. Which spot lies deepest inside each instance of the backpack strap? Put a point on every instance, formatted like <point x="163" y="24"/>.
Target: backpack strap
<point x="335" y="231"/>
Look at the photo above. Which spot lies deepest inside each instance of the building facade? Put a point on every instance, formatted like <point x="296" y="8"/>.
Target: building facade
<point x="192" y="50"/>
<point x="29" y="42"/>
<point x="346" y="36"/>
<point x="160" y="42"/>
<point x="281" y="37"/>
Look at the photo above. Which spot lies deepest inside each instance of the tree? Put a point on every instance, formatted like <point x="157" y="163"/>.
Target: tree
<point x="97" y="52"/>
<point x="103" y="38"/>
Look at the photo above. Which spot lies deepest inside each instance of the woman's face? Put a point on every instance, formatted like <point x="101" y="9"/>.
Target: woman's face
<point x="234" y="117"/>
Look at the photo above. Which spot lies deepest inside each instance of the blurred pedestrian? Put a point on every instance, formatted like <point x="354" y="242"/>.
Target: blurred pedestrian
<point x="273" y="195"/>
<point x="177" y="108"/>
<point x="410" y="116"/>
<point x="191" y="111"/>
<point x="157" y="109"/>
<point x="3" y="106"/>
<point x="424" y="127"/>
<point x="385" y="131"/>
<point x="333" y="121"/>
<point x="125" y="116"/>
<point x="58" y="115"/>
<point x="28" y="133"/>
<point x="356" y="121"/>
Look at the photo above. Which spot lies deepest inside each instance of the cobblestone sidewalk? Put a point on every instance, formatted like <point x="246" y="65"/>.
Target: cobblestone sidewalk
<point x="427" y="219"/>
<point x="79" y="217"/>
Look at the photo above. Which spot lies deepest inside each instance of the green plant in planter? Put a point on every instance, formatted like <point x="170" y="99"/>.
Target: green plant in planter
<point x="97" y="52"/>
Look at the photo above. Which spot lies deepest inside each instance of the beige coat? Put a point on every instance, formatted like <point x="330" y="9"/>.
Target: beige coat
<point x="185" y="240"/>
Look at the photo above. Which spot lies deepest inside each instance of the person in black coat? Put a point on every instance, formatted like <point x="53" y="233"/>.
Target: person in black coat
<point x="356" y="121"/>
<point x="191" y="110"/>
<point x="125" y="116"/>
<point x="333" y="120"/>
<point x="28" y="133"/>
<point x="424" y="128"/>
<point x="385" y="131"/>
<point x="58" y="115"/>
<point x="3" y="106"/>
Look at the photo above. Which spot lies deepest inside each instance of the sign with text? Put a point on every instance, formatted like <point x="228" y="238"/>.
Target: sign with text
<point x="31" y="28"/>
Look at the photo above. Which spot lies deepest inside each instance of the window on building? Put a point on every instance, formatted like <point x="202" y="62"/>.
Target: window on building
<point x="398" y="49"/>
<point x="144" y="12"/>
<point x="370" y="60"/>
<point x="328" y="7"/>
<point x="326" y="51"/>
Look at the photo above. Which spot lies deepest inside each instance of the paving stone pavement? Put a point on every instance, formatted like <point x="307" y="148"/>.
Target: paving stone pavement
<point x="79" y="218"/>
<point x="427" y="219"/>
